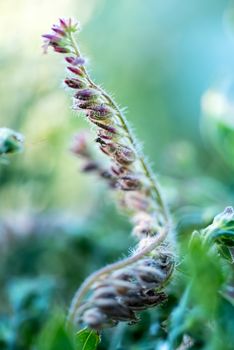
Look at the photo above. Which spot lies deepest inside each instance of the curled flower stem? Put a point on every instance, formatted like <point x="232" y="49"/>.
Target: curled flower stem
<point x="131" y="176"/>
<point x="148" y="173"/>
<point x="84" y="288"/>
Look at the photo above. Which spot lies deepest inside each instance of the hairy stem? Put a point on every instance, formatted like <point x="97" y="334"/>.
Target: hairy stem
<point x="156" y="193"/>
<point x="146" y="168"/>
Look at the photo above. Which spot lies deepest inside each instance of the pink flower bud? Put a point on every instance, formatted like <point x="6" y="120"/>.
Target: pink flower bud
<point x="76" y="71"/>
<point x="61" y="49"/>
<point x="69" y="59"/>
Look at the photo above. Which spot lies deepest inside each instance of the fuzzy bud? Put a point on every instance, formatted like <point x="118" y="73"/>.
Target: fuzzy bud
<point x="61" y="49"/>
<point x="124" y="155"/>
<point x="75" y="61"/>
<point x="67" y="25"/>
<point x="105" y="135"/>
<point x="108" y="148"/>
<point x="144" y="225"/>
<point x="101" y="112"/>
<point x="87" y="94"/>
<point x="104" y="126"/>
<point x="124" y="292"/>
<point x="51" y="37"/>
<point x="75" y="83"/>
<point x="129" y="183"/>
<point x="76" y="71"/>
<point x="58" y="30"/>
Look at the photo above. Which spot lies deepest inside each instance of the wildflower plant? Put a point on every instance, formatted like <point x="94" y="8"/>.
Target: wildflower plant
<point x="137" y="282"/>
<point x="202" y="290"/>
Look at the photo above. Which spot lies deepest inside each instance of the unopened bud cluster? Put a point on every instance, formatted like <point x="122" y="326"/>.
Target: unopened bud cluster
<point x="81" y="148"/>
<point x="123" y="293"/>
<point x="118" y="291"/>
<point x="127" y="169"/>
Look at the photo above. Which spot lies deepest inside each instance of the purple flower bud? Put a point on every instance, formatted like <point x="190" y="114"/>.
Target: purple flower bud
<point x="124" y="155"/>
<point x="75" y="61"/>
<point x="78" y="61"/>
<point x="74" y="83"/>
<point x="51" y="37"/>
<point x="101" y="112"/>
<point x="106" y="127"/>
<point x="76" y="71"/>
<point x="65" y="23"/>
<point x="61" y="49"/>
<point x="87" y="94"/>
<point x="82" y="104"/>
<point x="67" y="26"/>
<point x="58" y="30"/>
<point x="94" y="318"/>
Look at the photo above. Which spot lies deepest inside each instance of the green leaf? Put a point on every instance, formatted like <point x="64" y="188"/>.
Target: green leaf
<point x="87" y="339"/>
<point x="55" y="336"/>
<point x="226" y="237"/>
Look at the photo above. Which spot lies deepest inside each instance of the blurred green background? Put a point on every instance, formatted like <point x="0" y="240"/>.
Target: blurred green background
<point x="171" y="64"/>
<point x="157" y="58"/>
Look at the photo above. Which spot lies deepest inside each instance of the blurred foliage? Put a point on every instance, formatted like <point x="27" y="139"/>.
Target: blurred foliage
<point x="162" y="60"/>
<point x="10" y="141"/>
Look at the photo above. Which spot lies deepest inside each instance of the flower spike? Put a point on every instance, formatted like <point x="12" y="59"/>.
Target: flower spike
<point x="119" y="290"/>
